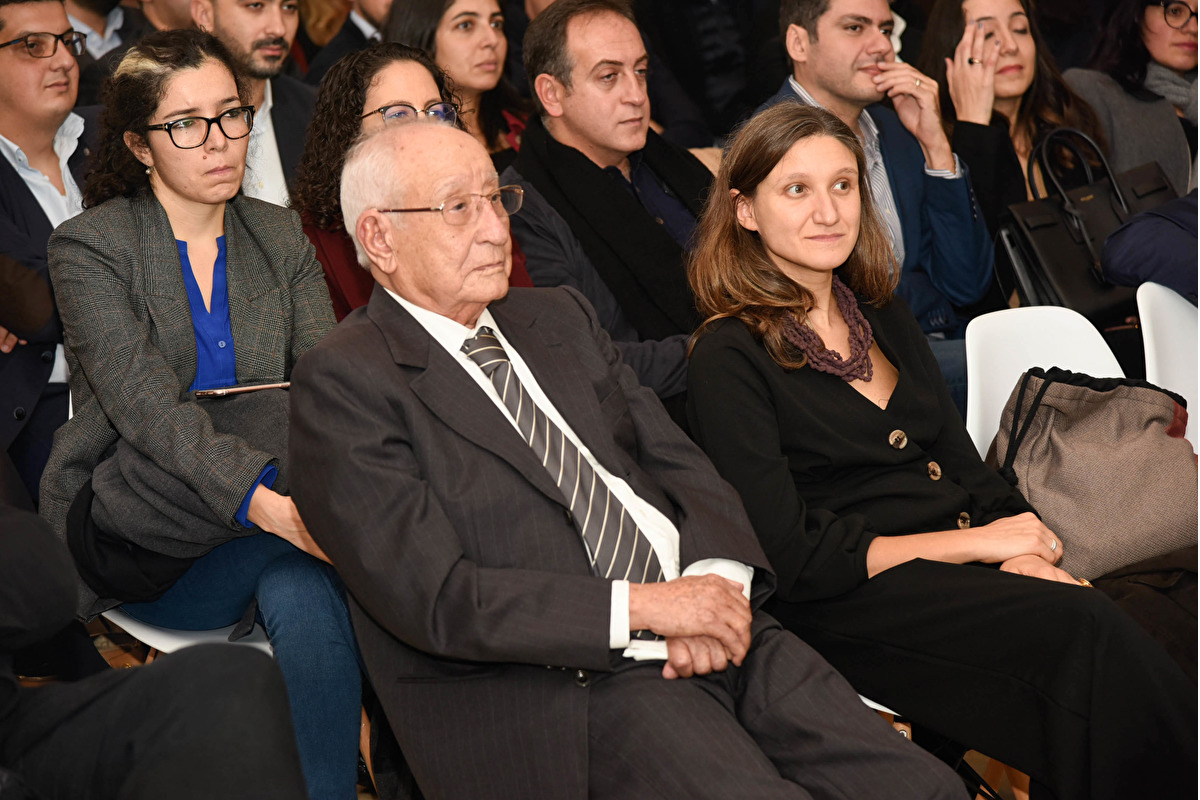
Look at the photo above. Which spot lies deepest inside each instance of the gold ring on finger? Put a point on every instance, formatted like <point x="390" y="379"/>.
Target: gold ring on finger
<point x="1085" y="582"/>
<point x="918" y="83"/>
<point x="973" y="61"/>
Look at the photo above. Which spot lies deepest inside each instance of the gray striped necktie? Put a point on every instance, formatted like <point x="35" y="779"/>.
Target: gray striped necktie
<point x="617" y="548"/>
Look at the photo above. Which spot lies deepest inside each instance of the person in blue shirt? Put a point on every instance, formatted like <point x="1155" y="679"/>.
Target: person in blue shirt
<point x="172" y="281"/>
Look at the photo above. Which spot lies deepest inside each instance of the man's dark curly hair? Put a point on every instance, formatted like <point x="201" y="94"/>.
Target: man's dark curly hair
<point x="337" y="123"/>
<point x="131" y="96"/>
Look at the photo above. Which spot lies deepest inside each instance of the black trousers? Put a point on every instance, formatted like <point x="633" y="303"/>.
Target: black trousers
<point x="1050" y="678"/>
<point x="206" y="722"/>
<point x="782" y="725"/>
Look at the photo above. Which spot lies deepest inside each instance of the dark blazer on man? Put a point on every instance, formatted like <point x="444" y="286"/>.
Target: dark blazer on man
<point x="473" y="600"/>
<point x="131" y="346"/>
<point x="292" y="104"/>
<point x="349" y="39"/>
<point x="948" y="253"/>
<point x="24" y="231"/>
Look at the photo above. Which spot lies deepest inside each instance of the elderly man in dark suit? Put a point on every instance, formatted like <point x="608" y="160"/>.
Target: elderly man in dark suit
<point x="527" y="537"/>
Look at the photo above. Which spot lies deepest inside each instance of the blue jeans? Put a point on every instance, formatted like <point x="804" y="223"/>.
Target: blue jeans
<point x="302" y="606"/>
<point x="951" y="355"/>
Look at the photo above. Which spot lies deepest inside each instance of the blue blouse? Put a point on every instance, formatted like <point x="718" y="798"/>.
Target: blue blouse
<point x="215" y="362"/>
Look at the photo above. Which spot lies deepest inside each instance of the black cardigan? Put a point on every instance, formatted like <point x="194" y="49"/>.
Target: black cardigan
<point x="813" y="460"/>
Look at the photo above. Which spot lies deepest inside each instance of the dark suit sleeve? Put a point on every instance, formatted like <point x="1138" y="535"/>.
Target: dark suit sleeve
<point x="26" y="302"/>
<point x="37" y="581"/>
<point x="987" y="151"/>
<point x="368" y="502"/>
<point x="554" y="257"/>
<point x="956" y="238"/>
<point x="731" y="412"/>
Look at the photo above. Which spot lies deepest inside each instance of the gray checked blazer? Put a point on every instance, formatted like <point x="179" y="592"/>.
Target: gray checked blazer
<point x="131" y="347"/>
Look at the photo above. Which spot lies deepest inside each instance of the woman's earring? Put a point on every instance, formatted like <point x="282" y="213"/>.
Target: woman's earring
<point x="149" y="169"/>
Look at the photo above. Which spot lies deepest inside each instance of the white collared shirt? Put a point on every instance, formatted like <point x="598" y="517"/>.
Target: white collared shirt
<point x="659" y="531"/>
<point x="368" y="30"/>
<point x="97" y="45"/>
<point x="57" y="207"/>
<point x="264" y="178"/>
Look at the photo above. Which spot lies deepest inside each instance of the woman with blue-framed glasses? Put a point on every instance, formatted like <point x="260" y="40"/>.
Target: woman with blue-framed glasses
<point x="1141" y="80"/>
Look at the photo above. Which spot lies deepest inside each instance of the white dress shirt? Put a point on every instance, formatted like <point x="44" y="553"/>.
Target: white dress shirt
<point x="264" y="178"/>
<point x="58" y="207"/>
<point x="662" y="535"/>
<point x="97" y="46"/>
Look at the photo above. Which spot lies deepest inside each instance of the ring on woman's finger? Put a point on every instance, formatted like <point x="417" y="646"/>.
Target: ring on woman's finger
<point x="973" y="61"/>
<point x="1053" y="545"/>
<point x="1085" y="582"/>
<point x="918" y="83"/>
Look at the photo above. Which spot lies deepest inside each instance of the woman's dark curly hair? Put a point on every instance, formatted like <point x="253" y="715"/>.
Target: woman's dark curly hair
<point x="131" y="96"/>
<point x="1048" y="103"/>
<point x="1120" y="51"/>
<point x="337" y="123"/>
<point x="415" y="22"/>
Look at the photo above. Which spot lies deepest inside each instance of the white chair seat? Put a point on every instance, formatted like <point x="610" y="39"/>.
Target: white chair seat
<point x="1004" y="344"/>
<point x="1169" y="336"/>
<point x="168" y="640"/>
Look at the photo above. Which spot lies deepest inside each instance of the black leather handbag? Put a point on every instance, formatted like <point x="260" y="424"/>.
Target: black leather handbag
<point x="1054" y="242"/>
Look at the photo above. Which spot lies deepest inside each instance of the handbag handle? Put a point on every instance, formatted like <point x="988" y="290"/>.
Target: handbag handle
<point x="1016" y="434"/>
<point x="1043" y="158"/>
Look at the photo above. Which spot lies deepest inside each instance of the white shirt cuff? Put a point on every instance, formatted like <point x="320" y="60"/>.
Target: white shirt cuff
<point x="730" y="570"/>
<point x="949" y="174"/>
<point x="618" y="625"/>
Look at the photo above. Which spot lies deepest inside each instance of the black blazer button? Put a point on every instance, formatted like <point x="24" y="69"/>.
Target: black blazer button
<point x="583" y="678"/>
<point x="935" y="471"/>
<point x="570" y="518"/>
<point x="964" y="520"/>
<point x="898" y="439"/>
<point x="19" y="413"/>
<point x="48" y="357"/>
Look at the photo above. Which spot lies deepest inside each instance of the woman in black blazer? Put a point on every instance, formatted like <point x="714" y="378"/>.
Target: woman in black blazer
<point x="916" y="570"/>
<point x="170" y="282"/>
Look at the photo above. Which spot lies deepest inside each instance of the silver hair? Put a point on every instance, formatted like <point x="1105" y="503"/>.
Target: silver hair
<point x="369" y="180"/>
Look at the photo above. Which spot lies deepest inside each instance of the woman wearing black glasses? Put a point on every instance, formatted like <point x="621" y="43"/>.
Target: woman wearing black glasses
<point x="382" y="84"/>
<point x="172" y="282"/>
<point x="1142" y="83"/>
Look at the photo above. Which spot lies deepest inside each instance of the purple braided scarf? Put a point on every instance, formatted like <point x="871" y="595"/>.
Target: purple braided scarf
<point x="858" y="366"/>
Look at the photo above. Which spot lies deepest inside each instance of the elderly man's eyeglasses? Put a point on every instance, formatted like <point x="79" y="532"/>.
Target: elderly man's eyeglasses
<point x="1177" y="13"/>
<point x="463" y="209"/>
<point x="44" y="45"/>
<point x="191" y="132"/>
<point x="403" y="112"/>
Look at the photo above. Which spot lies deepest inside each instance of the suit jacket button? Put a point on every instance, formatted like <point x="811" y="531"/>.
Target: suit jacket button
<point x="583" y="678"/>
<point x="964" y="520"/>
<point x="570" y="518"/>
<point x="19" y="413"/>
<point x="47" y="356"/>
<point x="898" y="439"/>
<point x="935" y="471"/>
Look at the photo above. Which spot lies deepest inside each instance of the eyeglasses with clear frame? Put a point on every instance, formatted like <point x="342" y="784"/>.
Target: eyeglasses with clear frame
<point x="45" y="45"/>
<point x="192" y="132"/>
<point x="463" y="209"/>
<point x="406" y="112"/>
<point x="1177" y="13"/>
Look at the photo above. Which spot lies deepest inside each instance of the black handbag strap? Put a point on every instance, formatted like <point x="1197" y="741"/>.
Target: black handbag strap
<point x="1015" y="436"/>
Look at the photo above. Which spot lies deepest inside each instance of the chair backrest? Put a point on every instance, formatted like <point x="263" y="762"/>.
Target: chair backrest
<point x="1169" y="333"/>
<point x="168" y="640"/>
<point x="1003" y="344"/>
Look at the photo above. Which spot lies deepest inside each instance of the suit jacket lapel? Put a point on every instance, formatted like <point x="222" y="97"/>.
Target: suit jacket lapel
<point x="166" y="294"/>
<point x="451" y="395"/>
<point x="255" y="305"/>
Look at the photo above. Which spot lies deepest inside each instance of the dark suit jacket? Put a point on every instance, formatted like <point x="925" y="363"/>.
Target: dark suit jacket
<point x="471" y="586"/>
<point x="348" y="40"/>
<point x="131" y="346"/>
<point x="292" y="104"/>
<point x="24" y="231"/>
<point x="93" y="73"/>
<point x="947" y="249"/>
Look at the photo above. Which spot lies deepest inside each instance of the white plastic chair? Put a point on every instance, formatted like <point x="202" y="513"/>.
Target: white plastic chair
<point x="1169" y="335"/>
<point x="168" y="640"/>
<point x="1003" y="344"/>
